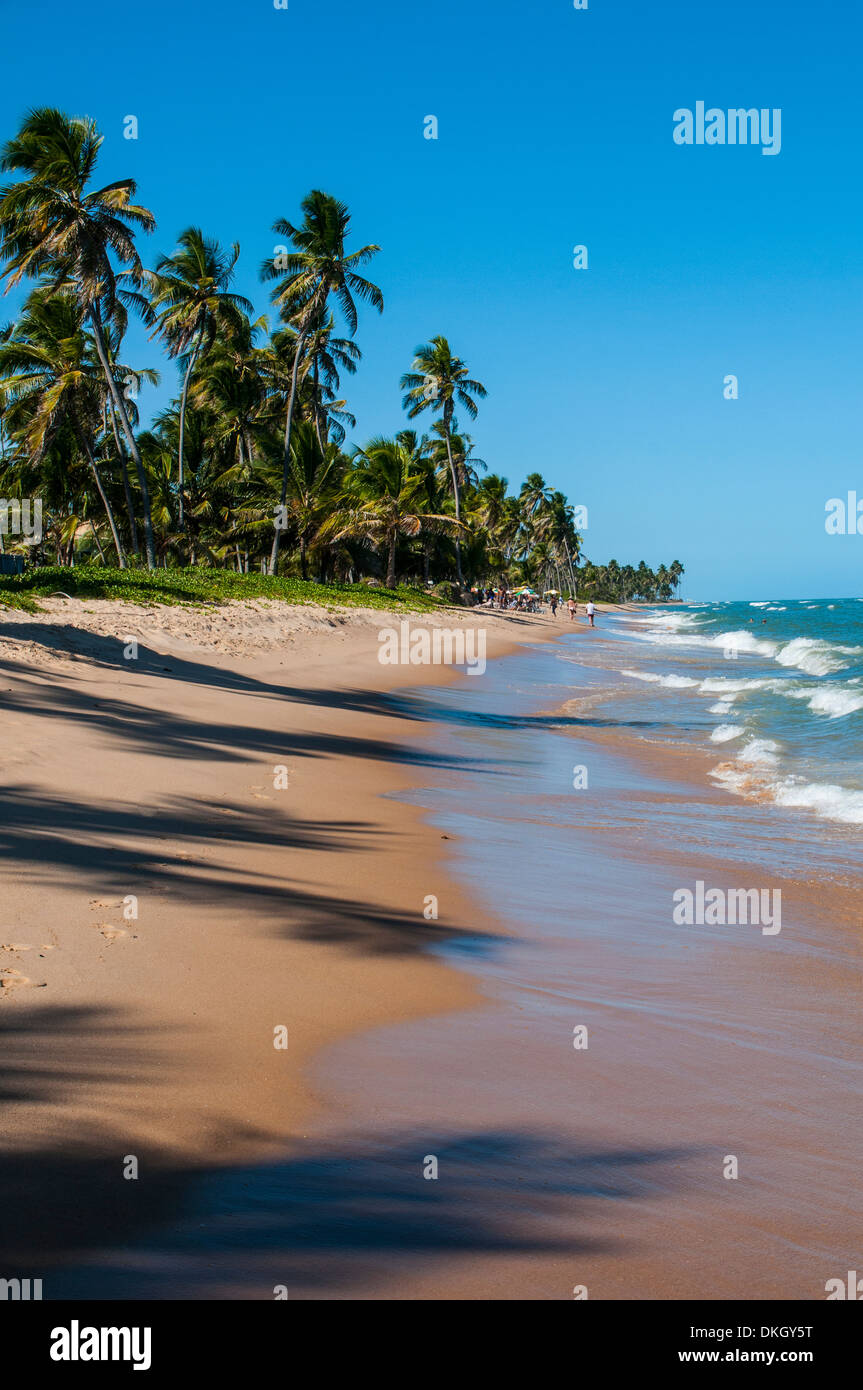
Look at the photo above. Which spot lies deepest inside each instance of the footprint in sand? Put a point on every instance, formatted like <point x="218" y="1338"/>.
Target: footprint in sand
<point x="15" y="946"/>
<point x="12" y="979"/>
<point x="110" y="933"/>
<point x="105" y="902"/>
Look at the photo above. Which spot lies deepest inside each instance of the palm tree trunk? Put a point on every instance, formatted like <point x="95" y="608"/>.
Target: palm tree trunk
<point x="274" y="553"/>
<point x="571" y="570"/>
<point x="250" y="453"/>
<point x="455" y="490"/>
<point x="120" y="406"/>
<point x="391" y="562"/>
<point x="180" y="473"/>
<point x="127" y="485"/>
<point x="96" y="539"/>
<point x="317" y="410"/>
<point x="303" y="564"/>
<point x="118" y="544"/>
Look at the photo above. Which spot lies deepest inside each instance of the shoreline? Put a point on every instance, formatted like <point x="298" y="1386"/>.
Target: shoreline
<point x="154" y="1037"/>
<point x="407" y="1036"/>
<point x="607" y="1167"/>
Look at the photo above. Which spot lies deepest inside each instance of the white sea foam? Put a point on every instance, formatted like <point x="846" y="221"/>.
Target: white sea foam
<point x="816" y="656"/>
<point x="743" y="641"/>
<point x="835" y="701"/>
<point x="729" y="688"/>
<point x="721" y="707"/>
<point x="826" y="799"/>
<point x="724" y="733"/>
<point x="759" y="750"/>
<point x="671" y="681"/>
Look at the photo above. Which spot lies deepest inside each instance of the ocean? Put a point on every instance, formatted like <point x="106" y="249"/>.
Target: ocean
<point x="775" y="687"/>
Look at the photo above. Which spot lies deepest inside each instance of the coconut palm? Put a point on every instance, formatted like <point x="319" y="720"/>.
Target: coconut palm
<point x="316" y="269"/>
<point x="52" y="226"/>
<point x="48" y="382"/>
<point x="191" y="298"/>
<point x="461" y="449"/>
<point x="438" y="382"/>
<point x="128" y="381"/>
<point x="314" y="478"/>
<point x="385" y="497"/>
<point x="328" y="355"/>
<point x="563" y="535"/>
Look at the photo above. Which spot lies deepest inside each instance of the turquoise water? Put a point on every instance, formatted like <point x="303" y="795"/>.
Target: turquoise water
<point x="774" y="687"/>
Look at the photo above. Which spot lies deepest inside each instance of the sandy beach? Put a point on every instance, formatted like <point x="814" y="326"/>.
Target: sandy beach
<point x="147" y="787"/>
<point x="280" y="809"/>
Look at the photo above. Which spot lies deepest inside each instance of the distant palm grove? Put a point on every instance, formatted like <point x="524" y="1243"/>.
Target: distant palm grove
<point x="248" y="468"/>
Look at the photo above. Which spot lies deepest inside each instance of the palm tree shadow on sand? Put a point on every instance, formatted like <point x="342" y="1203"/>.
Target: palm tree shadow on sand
<point x="327" y="1219"/>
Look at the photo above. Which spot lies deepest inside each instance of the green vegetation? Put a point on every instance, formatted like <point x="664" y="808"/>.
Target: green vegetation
<point x="614" y="583"/>
<point x="247" y="471"/>
<point x="198" y="585"/>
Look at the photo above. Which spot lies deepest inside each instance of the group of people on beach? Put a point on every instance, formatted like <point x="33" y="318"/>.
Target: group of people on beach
<point x="572" y="607"/>
<point x="506" y="599"/>
<point x="509" y="599"/>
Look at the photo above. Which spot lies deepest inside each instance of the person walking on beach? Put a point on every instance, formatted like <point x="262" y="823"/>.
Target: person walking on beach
<point x="570" y="603"/>
<point x="590" y="612"/>
<point x="553" y="604"/>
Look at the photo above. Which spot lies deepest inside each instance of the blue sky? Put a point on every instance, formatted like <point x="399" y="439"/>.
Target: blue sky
<point x="555" y="129"/>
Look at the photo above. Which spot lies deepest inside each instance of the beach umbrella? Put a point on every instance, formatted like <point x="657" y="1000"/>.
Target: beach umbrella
<point x="551" y="591"/>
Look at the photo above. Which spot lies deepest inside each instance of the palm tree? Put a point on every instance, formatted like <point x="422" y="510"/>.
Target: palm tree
<point x="437" y="382"/>
<point x="385" y="496"/>
<point x="564" y="537"/>
<point x="46" y="365"/>
<point x="313" y="481"/>
<point x="50" y="225"/>
<point x="327" y="356"/>
<point x="128" y="381"/>
<point x="318" y="267"/>
<point x="461" y="447"/>
<point x="193" y="304"/>
<point x="535" y="495"/>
